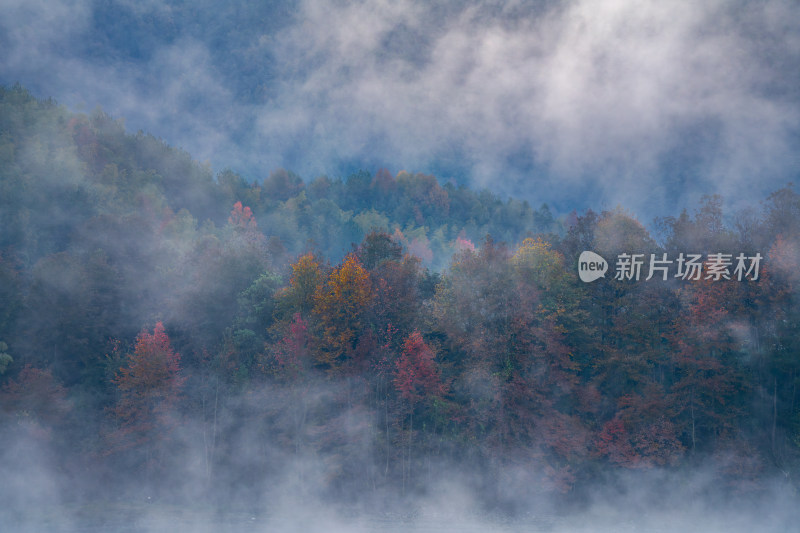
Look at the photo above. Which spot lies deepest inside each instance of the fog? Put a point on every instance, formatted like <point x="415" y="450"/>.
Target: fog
<point x="643" y="104"/>
<point x="264" y="487"/>
<point x="203" y="341"/>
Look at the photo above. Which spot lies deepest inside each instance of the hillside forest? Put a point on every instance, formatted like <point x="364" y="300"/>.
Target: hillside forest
<point x="200" y="335"/>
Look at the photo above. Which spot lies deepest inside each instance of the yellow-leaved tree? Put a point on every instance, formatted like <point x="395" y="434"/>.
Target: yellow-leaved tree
<point x="340" y="306"/>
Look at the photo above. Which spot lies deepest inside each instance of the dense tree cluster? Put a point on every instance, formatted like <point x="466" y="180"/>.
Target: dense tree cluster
<point x="455" y="330"/>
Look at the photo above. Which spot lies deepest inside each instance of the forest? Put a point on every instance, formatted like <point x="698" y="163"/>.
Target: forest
<point x="171" y="332"/>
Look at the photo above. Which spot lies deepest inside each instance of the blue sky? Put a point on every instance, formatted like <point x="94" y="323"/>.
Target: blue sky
<point x="644" y="103"/>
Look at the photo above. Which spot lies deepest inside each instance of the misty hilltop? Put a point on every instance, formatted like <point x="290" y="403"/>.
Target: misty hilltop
<point x="173" y="334"/>
<point x="628" y="102"/>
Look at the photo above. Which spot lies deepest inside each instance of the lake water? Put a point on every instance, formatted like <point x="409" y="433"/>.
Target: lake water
<point x="135" y="519"/>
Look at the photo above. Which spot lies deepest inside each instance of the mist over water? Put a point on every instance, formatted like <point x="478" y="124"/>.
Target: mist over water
<point x="265" y="485"/>
<point x="39" y="495"/>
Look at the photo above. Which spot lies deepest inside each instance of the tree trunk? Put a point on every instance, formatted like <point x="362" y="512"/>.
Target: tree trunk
<point x="774" y="411"/>
<point x="694" y="440"/>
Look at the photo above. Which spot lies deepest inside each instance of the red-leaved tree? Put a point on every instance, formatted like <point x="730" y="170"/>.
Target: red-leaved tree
<point x="417" y="375"/>
<point x="149" y="388"/>
<point x="417" y="378"/>
<point x="242" y="217"/>
<point x="37" y="402"/>
<point x="292" y="354"/>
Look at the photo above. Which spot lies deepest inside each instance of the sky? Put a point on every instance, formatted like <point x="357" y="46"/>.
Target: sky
<point x="646" y="104"/>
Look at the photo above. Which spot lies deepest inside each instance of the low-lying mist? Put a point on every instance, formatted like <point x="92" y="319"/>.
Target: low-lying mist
<point x="280" y="468"/>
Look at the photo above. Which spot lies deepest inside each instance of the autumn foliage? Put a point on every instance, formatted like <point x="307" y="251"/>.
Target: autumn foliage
<point x="292" y="354"/>
<point x="456" y="328"/>
<point x="340" y="306"/>
<point x="36" y="401"/>
<point x="149" y="388"/>
<point x="242" y="218"/>
<point x="417" y="376"/>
